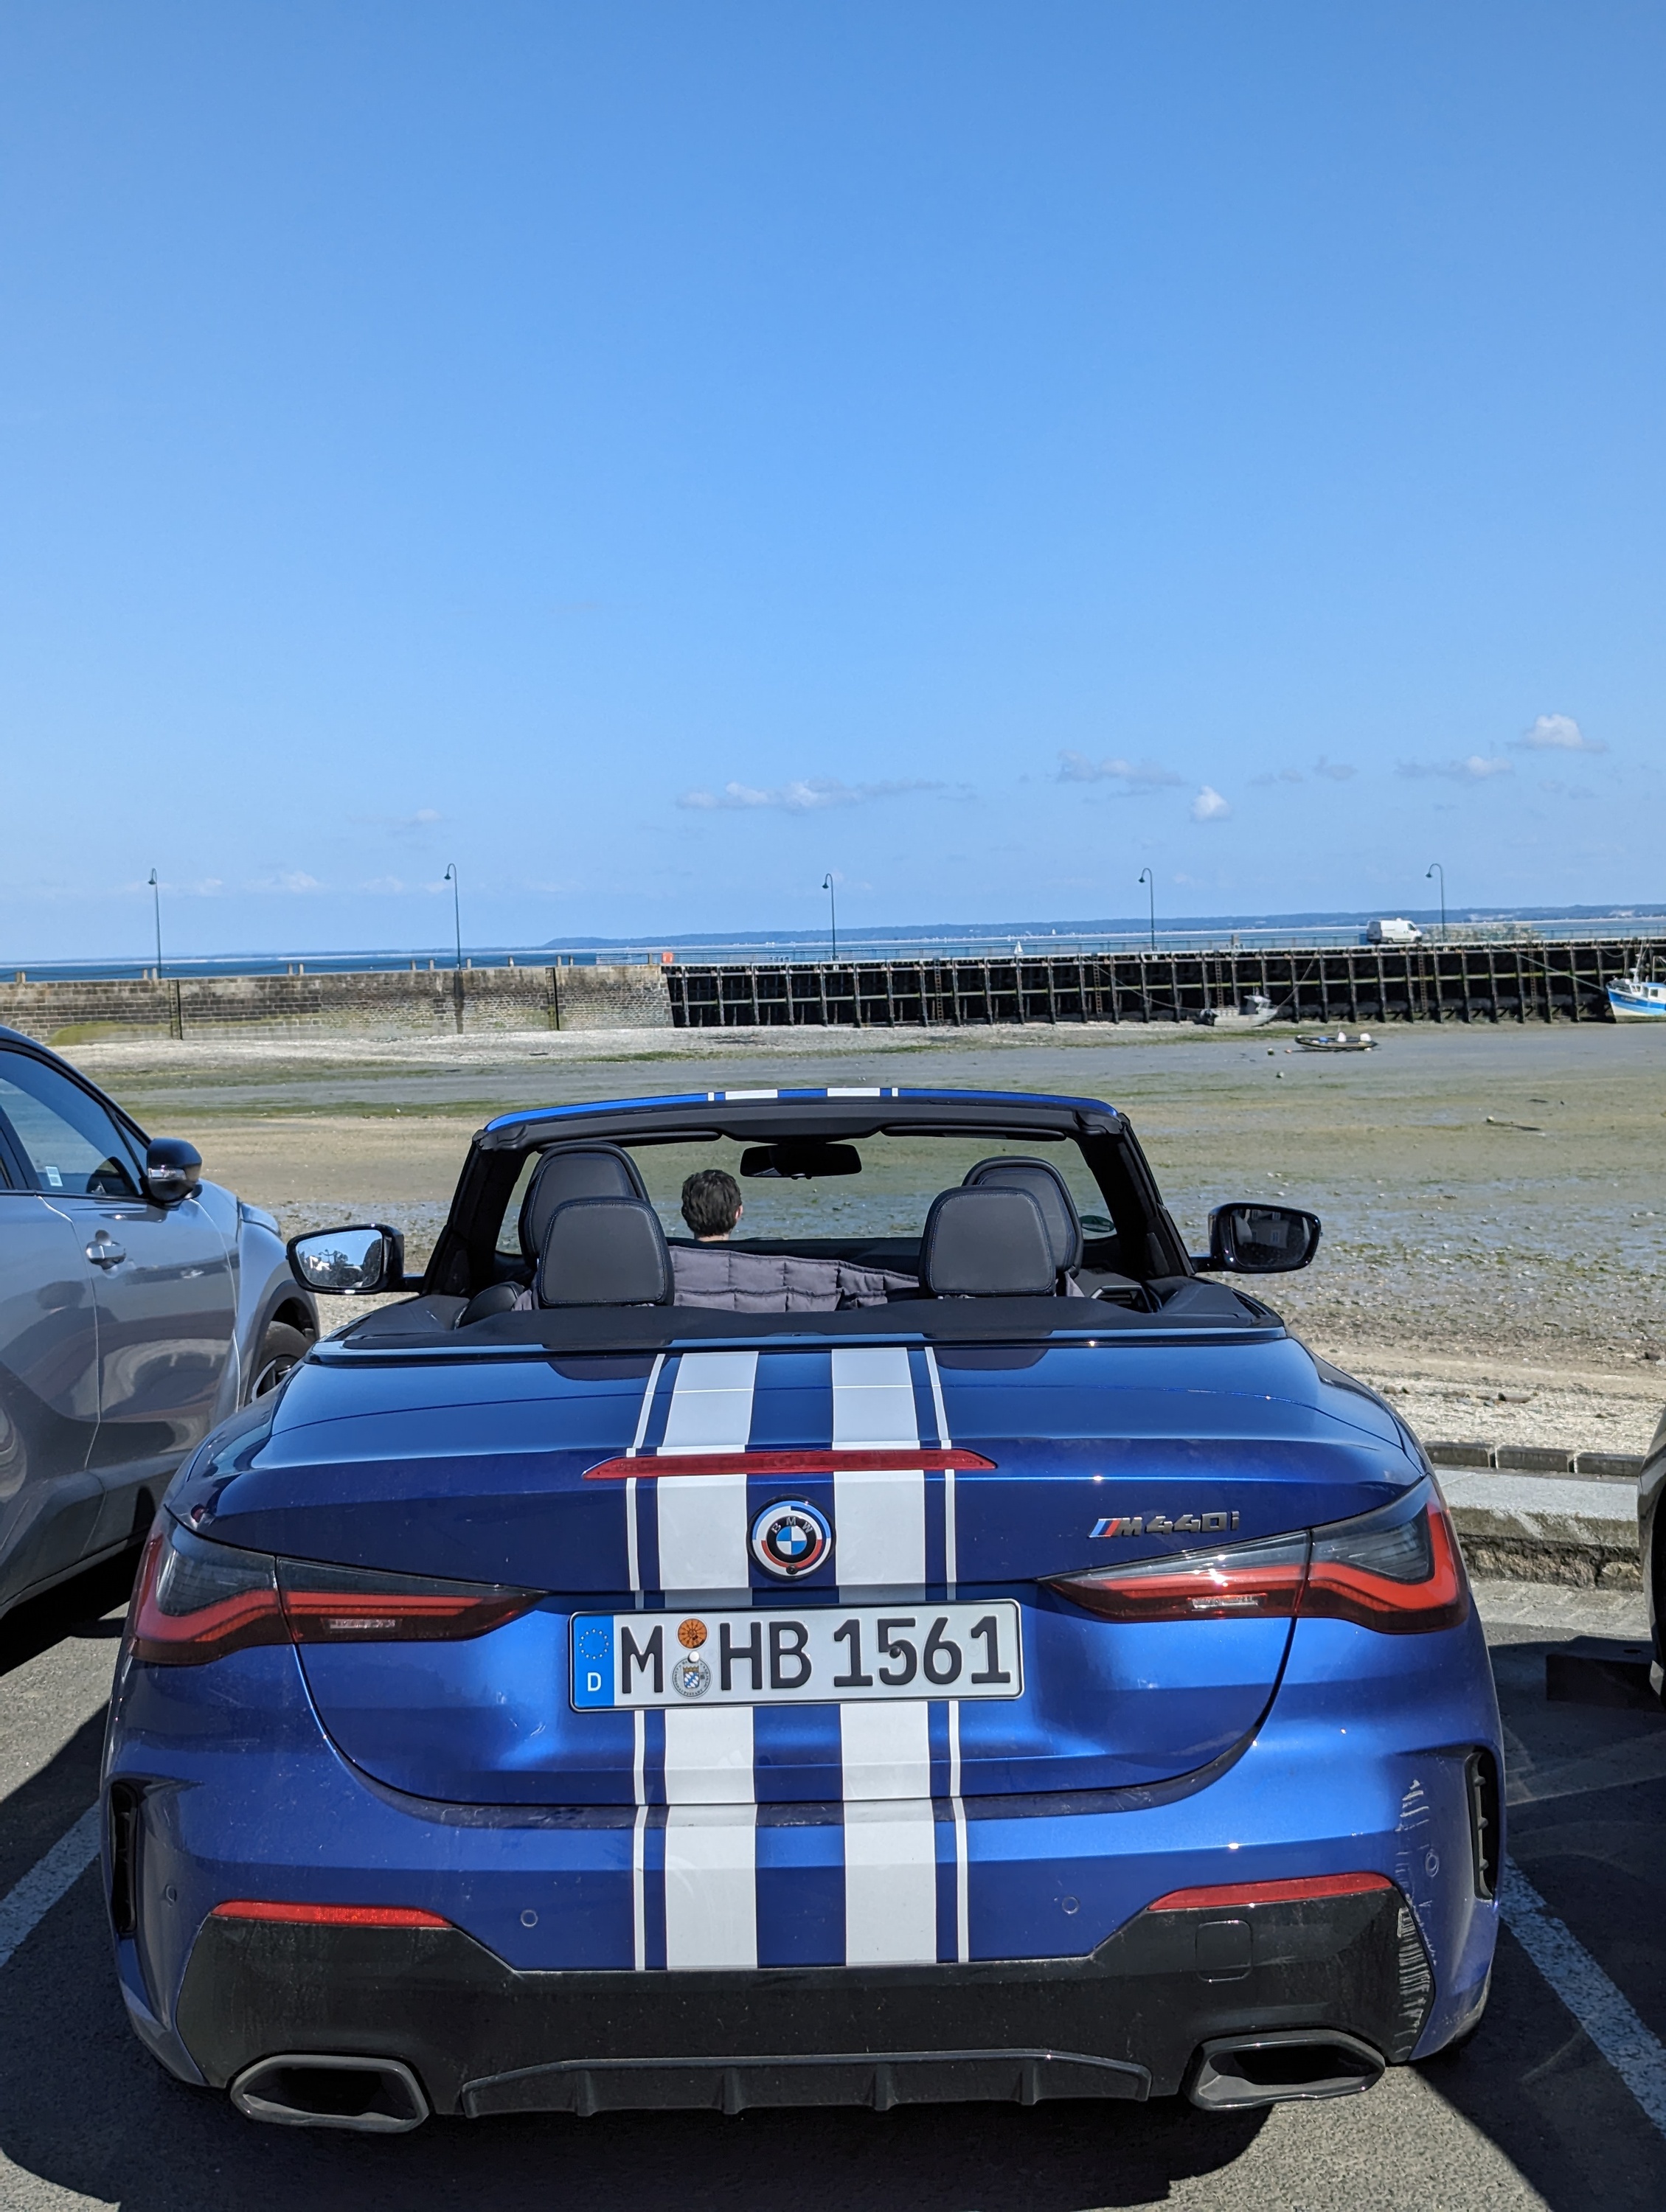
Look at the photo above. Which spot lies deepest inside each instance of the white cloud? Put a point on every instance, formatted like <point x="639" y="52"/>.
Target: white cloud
<point x="1333" y="771"/>
<point x="1477" y="768"/>
<point x="288" y="880"/>
<point x="1132" y="775"/>
<point x="400" y="825"/>
<point x="804" y="795"/>
<point x="1209" y="805"/>
<point x="1558" y="733"/>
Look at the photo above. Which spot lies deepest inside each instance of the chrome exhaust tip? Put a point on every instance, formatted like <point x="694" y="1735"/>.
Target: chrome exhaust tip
<point x="1233" y="2072"/>
<point x="316" y="2089"/>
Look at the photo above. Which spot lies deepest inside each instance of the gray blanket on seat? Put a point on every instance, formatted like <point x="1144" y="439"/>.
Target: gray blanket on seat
<point x="733" y="1281"/>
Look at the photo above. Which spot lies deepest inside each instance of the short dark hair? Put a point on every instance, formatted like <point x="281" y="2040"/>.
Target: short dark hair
<point x="711" y="1202"/>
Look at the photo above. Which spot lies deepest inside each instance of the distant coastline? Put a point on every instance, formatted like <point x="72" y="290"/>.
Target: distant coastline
<point x="926" y="940"/>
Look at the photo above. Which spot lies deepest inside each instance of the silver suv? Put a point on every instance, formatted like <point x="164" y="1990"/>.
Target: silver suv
<point x="138" y="1306"/>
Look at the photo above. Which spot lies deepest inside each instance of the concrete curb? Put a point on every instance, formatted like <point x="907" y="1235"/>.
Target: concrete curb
<point x="1540" y="1459"/>
<point x="1533" y="1528"/>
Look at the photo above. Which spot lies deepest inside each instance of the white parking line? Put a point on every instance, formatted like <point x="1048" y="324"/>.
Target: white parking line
<point x="1635" y="2054"/>
<point x="24" y="1907"/>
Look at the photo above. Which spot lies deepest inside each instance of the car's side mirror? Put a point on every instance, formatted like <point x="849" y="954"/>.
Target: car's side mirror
<point x="1259" y="1240"/>
<point x="173" y="1169"/>
<point x="350" y="1262"/>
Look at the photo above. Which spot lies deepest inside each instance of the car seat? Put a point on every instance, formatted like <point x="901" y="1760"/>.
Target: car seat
<point x="605" y="1252"/>
<point x="1050" y="1192"/>
<point x="986" y="1242"/>
<point x="570" y="1171"/>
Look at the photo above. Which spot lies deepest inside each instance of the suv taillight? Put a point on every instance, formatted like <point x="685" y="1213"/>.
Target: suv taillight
<point x="195" y="1601"/>
<point x="1397" y="1571"/>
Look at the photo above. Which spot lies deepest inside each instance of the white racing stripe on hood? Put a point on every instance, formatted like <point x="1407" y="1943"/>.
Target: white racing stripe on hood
<point x="711" y="1841"/>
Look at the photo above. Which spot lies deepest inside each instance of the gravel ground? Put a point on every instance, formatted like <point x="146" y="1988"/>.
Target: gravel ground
<point x="1484" y="1401"/>
<point x="1494" y="1207"/>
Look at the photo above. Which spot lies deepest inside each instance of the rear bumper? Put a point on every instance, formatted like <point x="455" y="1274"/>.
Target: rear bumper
<point x="1128" y="2021"/>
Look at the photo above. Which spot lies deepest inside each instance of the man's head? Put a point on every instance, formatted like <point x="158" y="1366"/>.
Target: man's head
<point x="711" y="1205"/>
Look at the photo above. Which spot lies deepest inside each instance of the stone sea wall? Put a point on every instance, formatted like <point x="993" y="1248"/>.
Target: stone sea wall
<point x="393" y="1002"/>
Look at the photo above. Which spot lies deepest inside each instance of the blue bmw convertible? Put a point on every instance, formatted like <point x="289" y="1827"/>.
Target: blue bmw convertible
<point x="813" y="1597"/>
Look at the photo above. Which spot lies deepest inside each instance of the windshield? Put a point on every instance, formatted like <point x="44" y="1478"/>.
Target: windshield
<point x="887" y="1198"/>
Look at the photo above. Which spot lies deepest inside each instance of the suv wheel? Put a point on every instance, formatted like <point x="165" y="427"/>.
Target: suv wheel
<point x="280" y="1348"/>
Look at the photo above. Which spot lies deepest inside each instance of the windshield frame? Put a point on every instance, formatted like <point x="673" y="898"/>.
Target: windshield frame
<point x="465" y="1256"/>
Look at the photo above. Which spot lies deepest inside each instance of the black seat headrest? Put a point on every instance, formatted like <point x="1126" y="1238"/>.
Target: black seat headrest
<point x="605" y="1252"/>
<point x="987" y="1243"/>
<point x="1050" y="1192"/>
<point x="496" y="1299"/>
<point x="573" y="1171"/>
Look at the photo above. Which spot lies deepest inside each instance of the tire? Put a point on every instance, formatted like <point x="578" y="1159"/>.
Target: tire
<point x="280" y="1348"/>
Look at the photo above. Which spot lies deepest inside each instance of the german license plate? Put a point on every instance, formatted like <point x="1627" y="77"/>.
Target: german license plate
<point x="823" y="1655"/>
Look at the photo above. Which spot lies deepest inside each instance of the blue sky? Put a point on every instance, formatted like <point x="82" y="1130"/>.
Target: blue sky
<point x="653" y="453"/>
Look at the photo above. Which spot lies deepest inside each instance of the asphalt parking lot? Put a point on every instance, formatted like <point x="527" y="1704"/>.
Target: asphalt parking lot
<point x="1533" y="2113"/>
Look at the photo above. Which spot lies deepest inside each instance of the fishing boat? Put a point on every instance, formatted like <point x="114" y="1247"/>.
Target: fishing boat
<point x="1339" y="1041"/>
<point x="1635" y="997"/>
<point x="1253" y="1012"/>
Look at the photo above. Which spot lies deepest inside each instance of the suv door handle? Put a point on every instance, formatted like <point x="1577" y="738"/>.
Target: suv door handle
<point x="104" y="1252"/>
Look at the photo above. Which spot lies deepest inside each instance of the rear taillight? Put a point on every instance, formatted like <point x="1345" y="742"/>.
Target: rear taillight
<point x="1245" y="1582"/>
<point x="344" y="1605"/>
<point x="196" y="1601"/>
<point x="1397" y="1571"/>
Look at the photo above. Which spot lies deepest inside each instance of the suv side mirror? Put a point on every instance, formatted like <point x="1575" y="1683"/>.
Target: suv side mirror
<point x="1259" y="1240"/>
<point x="349" y="1262"/>
<point x="173" y="1169"/>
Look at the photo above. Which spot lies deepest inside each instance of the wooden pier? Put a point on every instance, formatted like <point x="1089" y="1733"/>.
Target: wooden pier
<point x="1548" y="981"/>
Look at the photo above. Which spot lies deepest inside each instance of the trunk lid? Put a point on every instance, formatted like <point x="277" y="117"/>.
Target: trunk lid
<point x="1099" y="1453"/>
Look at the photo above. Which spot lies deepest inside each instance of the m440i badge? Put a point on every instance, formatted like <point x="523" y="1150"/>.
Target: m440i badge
<point x="1160" y="1524"/>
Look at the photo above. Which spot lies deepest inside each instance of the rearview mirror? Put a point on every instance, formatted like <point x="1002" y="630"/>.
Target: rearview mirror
<point x="173" y="1169"/>
<point x="349" y="1262"/>
<point x="1260" y="1240"/>
<point x="800" y="1159"/>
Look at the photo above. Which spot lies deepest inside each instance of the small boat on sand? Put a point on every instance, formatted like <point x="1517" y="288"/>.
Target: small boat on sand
<point x="1362" y="1041"/>
<point x="1253" y="1012"/>
<point x="1634" y="998"/>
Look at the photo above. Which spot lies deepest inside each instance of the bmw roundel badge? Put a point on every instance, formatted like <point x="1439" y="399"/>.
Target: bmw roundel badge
<point x="791" y="1537"/>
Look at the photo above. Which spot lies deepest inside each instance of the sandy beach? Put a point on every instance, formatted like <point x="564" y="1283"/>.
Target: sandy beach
<point x="1495" y="1212"/>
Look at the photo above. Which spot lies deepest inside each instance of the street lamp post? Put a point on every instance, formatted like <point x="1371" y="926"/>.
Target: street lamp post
<point x="1434" y="868"/>
<point x="450" y="876"/>
<point x="832" y="911"/>
<point x="1150" y="882"/>
<point x="156" y="901"/>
